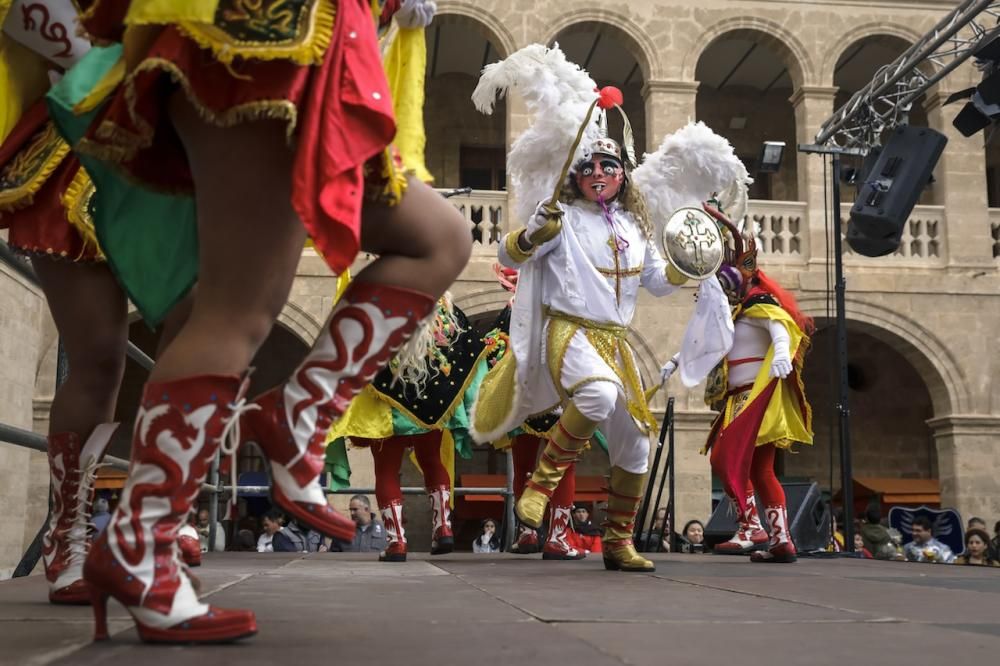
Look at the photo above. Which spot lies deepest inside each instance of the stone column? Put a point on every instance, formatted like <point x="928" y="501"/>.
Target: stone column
<point x="669" y="106"/>
<point x="961" y="189"/>
<point x="968" y="458"/>
<point x="813" y="106"/>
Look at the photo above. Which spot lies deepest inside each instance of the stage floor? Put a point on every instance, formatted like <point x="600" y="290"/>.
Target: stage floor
<point x="503" y="609"/>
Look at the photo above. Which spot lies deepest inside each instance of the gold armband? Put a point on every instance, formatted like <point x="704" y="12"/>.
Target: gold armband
<point x="674" y="276"/>
<point x="514" y="249"/>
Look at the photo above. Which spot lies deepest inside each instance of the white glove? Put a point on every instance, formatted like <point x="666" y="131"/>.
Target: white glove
<point x="537" y="221"/>
<point x="416" y="13"/>
<point x="781" y="364"/>
<point x="669" y="368"/>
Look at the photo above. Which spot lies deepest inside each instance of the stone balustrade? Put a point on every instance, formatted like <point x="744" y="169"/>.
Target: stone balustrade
<point x="780" y="227"/>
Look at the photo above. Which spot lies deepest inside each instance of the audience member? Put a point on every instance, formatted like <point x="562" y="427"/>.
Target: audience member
<point x="924" y="547"/>
<point x="650" y="541"/>
<point x="488" y="540"/>
<point x="875" y="537"/>
<point x="203" y="530"/>
<point x="859" y="547"/>
<point x="585" y="535"/>
<point x="294" y="538"/>
<point x="693" y="537"/>
<point x="99" y="519"/>
<point x="272" y="525"/>
<point x="244" y="542"/>
<point x="369" y="534"/>
<point x="995" y="542"/>
<point x="976" y="549"/>
<point x="975" y="523"/>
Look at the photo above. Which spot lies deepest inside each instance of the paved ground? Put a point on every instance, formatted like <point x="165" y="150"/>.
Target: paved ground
<point x="482" y="609"/>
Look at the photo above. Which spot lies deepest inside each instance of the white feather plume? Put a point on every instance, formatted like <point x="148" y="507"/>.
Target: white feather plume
<point x="689" y="166"/>
<point x="558" y="94"/>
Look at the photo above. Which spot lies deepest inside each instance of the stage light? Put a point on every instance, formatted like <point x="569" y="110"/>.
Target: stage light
<point x="770" y="156"/>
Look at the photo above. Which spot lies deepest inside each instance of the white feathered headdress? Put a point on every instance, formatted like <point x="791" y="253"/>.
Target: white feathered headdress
<point x="689" y="167"/>
<point x="558" y="94"/>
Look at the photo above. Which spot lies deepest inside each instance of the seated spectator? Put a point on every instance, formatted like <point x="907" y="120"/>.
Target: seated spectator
<point x="272" y="525"/>
<point x="924" y="547"/>
<point x="204" y="530"/>
<point x="585" y="535"/>
<point x="693" y="537"/>
<point x="859" y="547"/>
<point x="976" y="549"/>
<point x="875" y="537"/>
<point x="100" y="518"/>
<point x="975" y="523"/>
<point x="995" y="542"/>
<point x="244" y="542"/>
<point x="294" y="538"/>
<point x="488" y="540"/>
<point x="650" y="542"/>
<point x="369" y="534"/>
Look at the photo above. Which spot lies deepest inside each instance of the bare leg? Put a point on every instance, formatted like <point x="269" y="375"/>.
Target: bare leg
<point x="90" y="312"/>
<point x="423" y="243"/>
<point x="250" y="243"/>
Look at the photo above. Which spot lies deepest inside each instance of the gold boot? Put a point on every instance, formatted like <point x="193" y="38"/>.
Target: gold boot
<point x="567" y="440"/>
<point x="623" y="503"/>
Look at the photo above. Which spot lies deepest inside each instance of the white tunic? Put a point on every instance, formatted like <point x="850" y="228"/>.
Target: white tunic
<point x="583" y="275"/>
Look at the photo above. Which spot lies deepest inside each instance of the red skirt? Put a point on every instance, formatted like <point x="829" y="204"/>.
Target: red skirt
<point x="336" y="108"/>
<point x="42" y="187"/>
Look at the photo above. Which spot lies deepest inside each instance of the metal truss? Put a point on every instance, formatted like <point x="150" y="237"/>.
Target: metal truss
<point x="885" y="101"/>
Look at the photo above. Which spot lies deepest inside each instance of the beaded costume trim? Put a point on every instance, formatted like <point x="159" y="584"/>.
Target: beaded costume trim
<point x="24" y="175"/>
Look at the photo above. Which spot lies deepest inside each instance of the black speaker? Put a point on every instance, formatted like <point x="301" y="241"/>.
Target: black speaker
<point x="893" y="186"/>
<point x="808" y="518"/>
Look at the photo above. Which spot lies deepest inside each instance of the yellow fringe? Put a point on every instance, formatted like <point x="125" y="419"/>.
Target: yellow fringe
<point x="76" y="201"/>
<point x="23" y="195"/>
<point x="307" y="50"/>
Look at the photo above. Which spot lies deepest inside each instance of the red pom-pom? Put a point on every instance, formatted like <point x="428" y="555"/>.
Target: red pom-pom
<point x="609" y="96"/>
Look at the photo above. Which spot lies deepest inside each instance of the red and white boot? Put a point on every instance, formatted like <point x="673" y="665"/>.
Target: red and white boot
<point x="556" y="546"/>
<point x="527" y="542"/>
<point x="395" y="535"/>
<point x="442" y="538"/>
<point x="189" y="544"/>
<point x="136" y="560"/>
<point x="365" y="330"/>
<point x="780" y="548"/>
<point x="750" y="534"/>
<point x="72" y="469"/>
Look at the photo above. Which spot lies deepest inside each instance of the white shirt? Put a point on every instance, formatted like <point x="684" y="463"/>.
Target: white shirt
<point x="582" y="273"/>
<point x="264" y="544"/>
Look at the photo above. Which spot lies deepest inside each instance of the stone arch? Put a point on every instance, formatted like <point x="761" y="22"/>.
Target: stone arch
<point x="932" y="360"/>
<point x="501" y="37"/>
<point x="784" y="43"/>
<point x="858" y="34"/>
<point x="635" y="38"/>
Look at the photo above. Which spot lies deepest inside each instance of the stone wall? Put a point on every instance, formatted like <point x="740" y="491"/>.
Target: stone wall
<point x="23" y="473"/>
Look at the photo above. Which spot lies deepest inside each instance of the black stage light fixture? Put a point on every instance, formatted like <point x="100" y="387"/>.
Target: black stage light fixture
<point x="892" y="188"/>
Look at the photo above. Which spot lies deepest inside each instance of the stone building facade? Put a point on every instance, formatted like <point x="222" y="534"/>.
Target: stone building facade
<point x="922" y="323"/>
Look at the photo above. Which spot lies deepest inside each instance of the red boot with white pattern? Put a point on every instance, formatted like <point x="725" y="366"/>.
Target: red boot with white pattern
<point x="780" y="549"/>
<point x="395" y="535"/>
<point x="369" y="324"/>
<point x="556" y="546"/>
<point x="137" y="560"/>
<point x="750" y="534"/>
<point x="442" y="538"/>
<point x="73" y="468"/>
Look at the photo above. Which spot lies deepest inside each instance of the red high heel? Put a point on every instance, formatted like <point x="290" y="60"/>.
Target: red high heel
<point x="137" y="560"/>
<point x="72" y="471"/>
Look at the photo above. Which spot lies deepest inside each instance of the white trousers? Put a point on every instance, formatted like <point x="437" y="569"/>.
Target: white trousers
<point x="596" y="391"/>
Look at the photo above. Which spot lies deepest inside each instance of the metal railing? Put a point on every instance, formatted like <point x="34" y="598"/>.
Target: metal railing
<point x="30" y="440"/>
